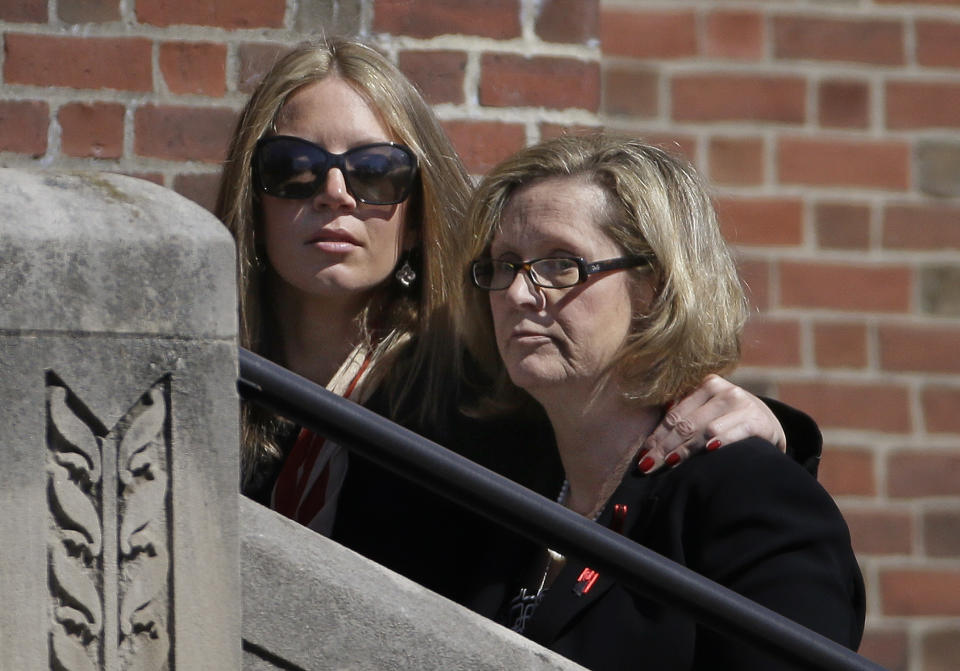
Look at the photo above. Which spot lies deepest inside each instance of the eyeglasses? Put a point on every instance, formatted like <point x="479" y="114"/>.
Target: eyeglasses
<point x="549" y="273"/>
<point x="376" y="174"/>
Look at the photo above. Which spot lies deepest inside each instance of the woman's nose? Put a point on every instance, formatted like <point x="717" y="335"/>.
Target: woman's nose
<point x="523" y="292"/>
<point x="334" y="192"/>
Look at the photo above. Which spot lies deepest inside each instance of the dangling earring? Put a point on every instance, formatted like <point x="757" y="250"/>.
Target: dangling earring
<point x="406" y="274"/>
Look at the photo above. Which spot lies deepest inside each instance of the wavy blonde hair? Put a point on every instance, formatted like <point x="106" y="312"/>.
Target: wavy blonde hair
<point x="435" y="212"/>
<point x="658" y="206"/>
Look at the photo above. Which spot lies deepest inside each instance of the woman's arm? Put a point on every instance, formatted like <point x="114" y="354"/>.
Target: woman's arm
<point x="718" y="413"/>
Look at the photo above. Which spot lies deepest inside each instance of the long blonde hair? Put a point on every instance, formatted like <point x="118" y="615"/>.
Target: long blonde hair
<point x="435" y="211"/>
<point x="660" y="207"/>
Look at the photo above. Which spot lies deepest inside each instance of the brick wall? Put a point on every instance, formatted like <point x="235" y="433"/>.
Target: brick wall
<point x="831" y="130"/>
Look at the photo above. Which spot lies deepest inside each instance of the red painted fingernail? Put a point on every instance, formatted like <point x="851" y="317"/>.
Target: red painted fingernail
<point x="672" y="459"/>
<point x="669" y="404"/>
<point x="713" y="444"/>
<point x="641" y="453"/>
<point x="645" y="464"/>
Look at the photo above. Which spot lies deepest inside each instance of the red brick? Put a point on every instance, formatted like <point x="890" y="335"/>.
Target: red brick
<point x="917" y="474"/>
<point x="913" y="104"/>
<point x="931" y="227"/>
<point x="498" y="19"/>
<point x="736" y="160"/>
<point x="438" y="74"/>
<point x="630" y="90"/>
<point x="755" y="276"/>
<point x="24" y="11"/>
<point x="733" y="34"/>
<point x="844" y="104"/>
<point x="880" y="532"/>
<point x="930" y="349"/>
<point x="483" y="144"/>
<point x="183" y="133"/>
<point x="938" y="43"/>
<point x="879" y="165"/>
<point x="79" y="62"/>
<point x="507" y="80"/>
<point x="255" y="60"/>
<point x="853" y="40"/>
<point x="552" y="130"/>
<point x="729" y="97"/>
<point x="847" y="472"/>
<point x="194" y="67"/>
<point x="936" y="167"/>
<point x="94" y="129"/>
<point x="920" y="592"/>
<point x="89" y="11"/>
<point x="842" y="225"/>
<point x="941" y="409"/>
<point x="845" y="287"/>
<point x="887" y="648"/>
<point x="23" y="126"/>
<point x="941" y="650"/>
<point x="761" y="221"/>
<point x="845" y="405"/>
<point x="768" y="342"/>
<point x="941" y="533"/>
<point x="201" y="189"/>
<point x="220" y="13"/>
<point x="572" y="21"/>
<point x="840" y="345"/>
<point x="648" y="34"/>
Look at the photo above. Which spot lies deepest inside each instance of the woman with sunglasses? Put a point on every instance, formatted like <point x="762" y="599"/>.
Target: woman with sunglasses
<point x="346" y="200"/>
<point x="603" y="289"/>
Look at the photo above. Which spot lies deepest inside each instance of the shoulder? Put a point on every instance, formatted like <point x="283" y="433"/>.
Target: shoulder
<point x="753" y="483"/>
<point x="751" y="460"/>
<point x="804" y="441"/>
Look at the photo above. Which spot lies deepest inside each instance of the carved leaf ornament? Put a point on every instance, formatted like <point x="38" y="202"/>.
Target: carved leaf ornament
<point x="108" y="550"/>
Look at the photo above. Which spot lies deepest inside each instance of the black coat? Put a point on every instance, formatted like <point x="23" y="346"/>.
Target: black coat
<point x="744" y="516"/>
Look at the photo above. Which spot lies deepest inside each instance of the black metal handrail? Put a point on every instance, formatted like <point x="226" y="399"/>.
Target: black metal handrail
<point x="516" y="507"/>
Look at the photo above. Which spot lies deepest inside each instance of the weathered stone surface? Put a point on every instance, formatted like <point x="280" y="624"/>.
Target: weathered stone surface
<point x="309" y="603"/>
<point x="96" y="252"/>
<point x="118" y="427"/>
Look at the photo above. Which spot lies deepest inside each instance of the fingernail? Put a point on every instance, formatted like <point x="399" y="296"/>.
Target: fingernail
<point x="645" y="464"/>
<point x="713" y="444"/>
<point x="641" y="453"/>
<point x="668" y="405"/>
<point x="672" y="459"/>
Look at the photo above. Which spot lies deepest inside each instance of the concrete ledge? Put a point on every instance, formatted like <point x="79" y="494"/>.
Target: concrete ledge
<point x="97" y="252"/>
<point x="309" y="603"/>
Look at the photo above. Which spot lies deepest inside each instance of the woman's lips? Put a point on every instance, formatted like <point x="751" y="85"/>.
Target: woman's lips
<point x="529" y="336"/>
<point x="333" y="240"/>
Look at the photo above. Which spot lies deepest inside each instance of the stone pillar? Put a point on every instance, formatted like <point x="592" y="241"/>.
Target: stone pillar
<point x="118" y="428"/>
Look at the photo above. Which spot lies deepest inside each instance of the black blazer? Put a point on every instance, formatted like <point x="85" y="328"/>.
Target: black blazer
<point x="443" y="546"/>
<point x="744" y="516"/>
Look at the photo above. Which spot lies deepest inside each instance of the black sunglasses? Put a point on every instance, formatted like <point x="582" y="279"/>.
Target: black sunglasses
<point x="558" y="272"/>
<point x="377" y="174"/>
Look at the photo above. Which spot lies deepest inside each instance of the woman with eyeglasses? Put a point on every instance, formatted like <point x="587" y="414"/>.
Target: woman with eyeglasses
<point x="603" y="290"/>
<point x="346" y="200"/>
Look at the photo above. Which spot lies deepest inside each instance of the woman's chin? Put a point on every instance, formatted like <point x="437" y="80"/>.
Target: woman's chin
<point x="530" y="378"/>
